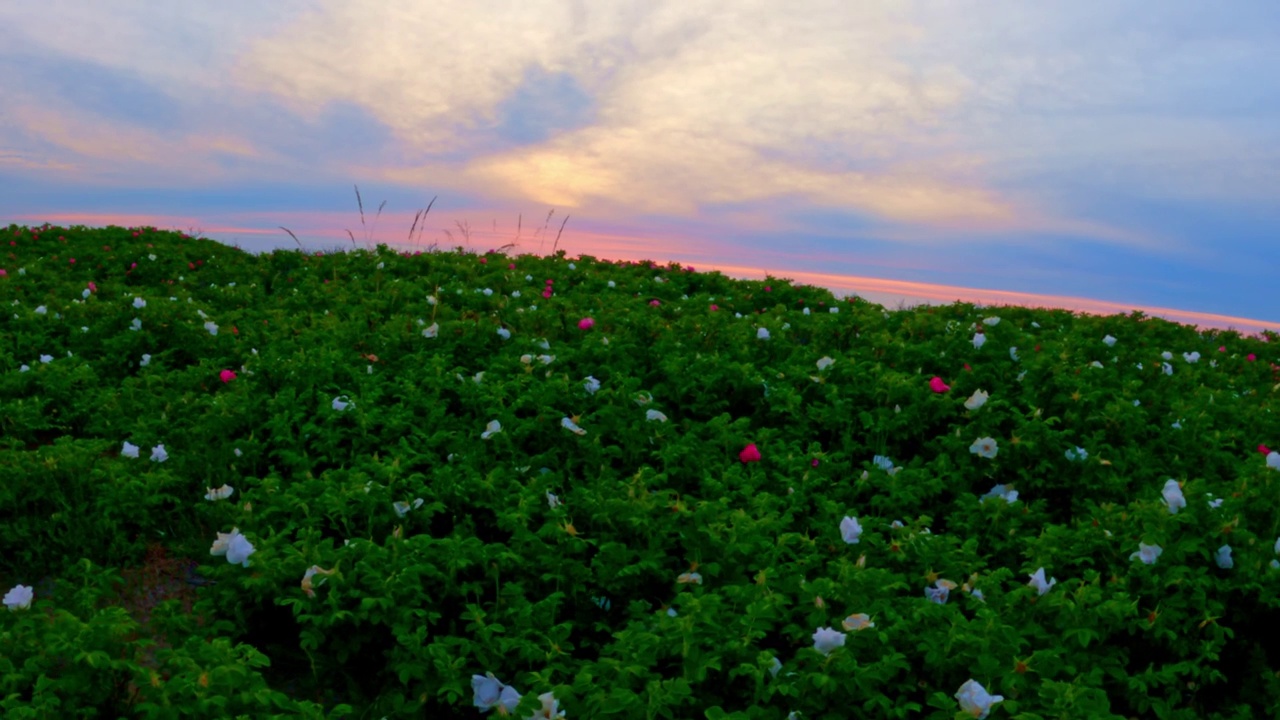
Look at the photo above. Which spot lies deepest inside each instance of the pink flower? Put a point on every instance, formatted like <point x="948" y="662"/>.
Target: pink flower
<point x="1250" y="357"/>
<point x="512" y="266"/>
<point x="714" y="308"/>
<point x="937" y="385"/>
<point x="227" y="376"/>
<point x="750" y="454"/>
<point x="3" y="273"/>
<point x="768" y="289"/>
<point x="546" y="293"/>
<point x="585" y="323"/>
<point x="73" y="261"/>
<point x="1222" y="348"/>
<point x="484" y="261"/>
<point x="654" y="303"/>
<point x="814" y="463"/>
<point x="1264" y="449"/>
<point x="93" y="288"/>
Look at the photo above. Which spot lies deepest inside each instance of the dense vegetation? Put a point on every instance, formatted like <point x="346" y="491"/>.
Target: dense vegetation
<point x="635" y="490"/>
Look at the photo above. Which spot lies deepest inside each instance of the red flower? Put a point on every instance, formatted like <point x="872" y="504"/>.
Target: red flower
<point x="937" y="385"/>
<point x="750" y="454"/>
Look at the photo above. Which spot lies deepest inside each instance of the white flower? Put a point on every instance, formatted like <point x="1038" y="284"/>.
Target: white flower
<point x="487" y="292"/>
<point x="940" y="592"/>
<point x="826" y="639"/>
<point x="1147" y="553"/>
<point x="504" y="333"/>
<point x="1110" y="341"/>
<point x="515" y="293"/>
<point x="568" y="424"/>
<point x="775" y="667"/>
<point x="146" y="360"/>
<point x="489" y="692"/>
<point x="1095" y="364"/>
<point x="991" y="321"/>
<point x="1038" y="582"/>
<point x="857" y="621"/>
<point x="835" y="310"/>
<point x="882" y="462"/>
<point x="825" y="363"/>
<point x="432" y="331"/>
<point x="984" y="447"/>
<point x="1077" y="454"/>
<point x="1214" y="504"/>
<point x="235" y="546"/>
<point x="978" y="340"/>
<point x="493" y="427"/>
<point x="689" y="578"/>
<point x="762" y="334"/>
<point x="212" y="327"/>
<point x="19" y="598"/>
<point x="46" y="359"/>
<point x="1223" y="557"/>
<point x="129" y="450"/>
<point x="1172" y="493"/>
<point x="1191" y="356"/>
<point x="592" y="385"/>
<point x="977" y="400"/>
<point x="612" y="284"/>
<point x="1166" y="355"/>
<point x="654" y="415"/>
<point x="550" y="706"/>
<point x="339" y="404"/>
<point x="221" y="493"/>
<point x="850" y="530"/>
<point x="1167" y="368"/>
<point x="1008" y="494"/>
<point x="975" y="700"/>
<point x="402" y="508"/>
<point x="553" y="500"/>
<point x="1013" y="353"/>
<point x="158" y="454"/>
<point x="1273" y="461"/>
<point x="139" y="303"/>
<point x="311" y="572"/>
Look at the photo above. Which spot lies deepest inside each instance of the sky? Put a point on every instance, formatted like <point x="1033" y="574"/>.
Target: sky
<point x="1097" y="155"/>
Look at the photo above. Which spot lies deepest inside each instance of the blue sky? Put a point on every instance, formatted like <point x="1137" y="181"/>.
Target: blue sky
<point x="1103" y="156"/>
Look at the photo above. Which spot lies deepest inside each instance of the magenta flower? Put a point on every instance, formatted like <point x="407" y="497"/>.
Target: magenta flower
<point x="227" y="376"/>
<point x="654" y="303"/>
<point x="750" y="454"/>
<point x="814" y="463"/>
<point x="714" y="308"/>
<point x="585" y="323"/>
<point x="1250" y="357"/>
<point x="937" y="385"/>
<point x="93" y="288"/>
